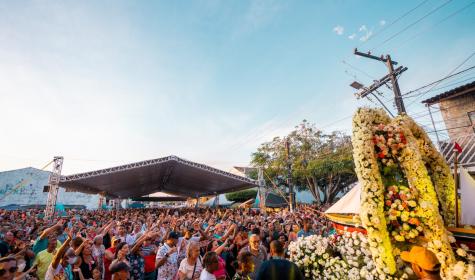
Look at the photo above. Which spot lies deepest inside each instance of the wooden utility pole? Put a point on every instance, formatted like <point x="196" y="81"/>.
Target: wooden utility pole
<point x="289" y="176"/>
<point x="391" y="77"/>
<point x="456" y="179"/>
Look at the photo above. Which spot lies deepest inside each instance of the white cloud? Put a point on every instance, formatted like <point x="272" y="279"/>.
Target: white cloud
<point x="338" y="29"/>
<point x="382" y="22"/>
<point x="366" y="36"/>
<point x="258" y="15"/>
<point x="363" y="28"/>
<point x="352" y="36"/>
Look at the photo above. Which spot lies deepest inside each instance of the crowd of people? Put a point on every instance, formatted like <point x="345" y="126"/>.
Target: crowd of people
<point x="154" y="244"/>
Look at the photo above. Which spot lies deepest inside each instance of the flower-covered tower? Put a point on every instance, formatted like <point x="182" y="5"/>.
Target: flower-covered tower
<point x="404" y="181"/>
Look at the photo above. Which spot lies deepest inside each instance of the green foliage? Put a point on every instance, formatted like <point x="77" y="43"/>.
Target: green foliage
<point x="321" y="163"/>
<point x="241" y="196"/>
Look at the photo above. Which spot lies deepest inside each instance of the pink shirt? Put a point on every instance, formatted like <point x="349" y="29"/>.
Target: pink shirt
<point x="221" y="272"/>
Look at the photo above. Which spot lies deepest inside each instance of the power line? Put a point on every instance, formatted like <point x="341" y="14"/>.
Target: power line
<point x="359" y="70"/>
<point x="436" y="111"/>
<point x="439" y="80"/>
<point x="412" y="24"/>
<point x="447" y="129"/>
<point x="450" y="73"/>
<point x="393" y="22"/>
<point x="446" y="86"/>
<point x="434" y="25"/>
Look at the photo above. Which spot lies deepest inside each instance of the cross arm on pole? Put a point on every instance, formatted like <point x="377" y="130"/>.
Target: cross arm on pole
<point x="369" y="55"/>
<point x="378" y="83"/>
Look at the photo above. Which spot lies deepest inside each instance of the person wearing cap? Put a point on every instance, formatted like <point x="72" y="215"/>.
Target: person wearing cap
<point x="109" y="256"/>
<point x="167" y="258"/>
<point x="424" y="263"/>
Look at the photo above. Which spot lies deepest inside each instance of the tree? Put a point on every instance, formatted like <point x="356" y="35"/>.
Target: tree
<point x="321" y="163"/>
<point x="241" y="196"/>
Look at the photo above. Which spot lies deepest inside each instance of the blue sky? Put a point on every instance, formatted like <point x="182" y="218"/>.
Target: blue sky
<point x="110" y="82"/>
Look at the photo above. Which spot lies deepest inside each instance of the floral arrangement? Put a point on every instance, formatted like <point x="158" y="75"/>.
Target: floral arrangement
<point x="372" y="213"/>
<point x="400" y="206"/>
<point x="402" y="213"/>
<point x="315" y="256"/>
<point x="345" y="256"/>
<point x="438" y="170"/>
<point x="403" y="179"/>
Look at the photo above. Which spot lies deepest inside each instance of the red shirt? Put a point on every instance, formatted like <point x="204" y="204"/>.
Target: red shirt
<point x="107" y="263"/>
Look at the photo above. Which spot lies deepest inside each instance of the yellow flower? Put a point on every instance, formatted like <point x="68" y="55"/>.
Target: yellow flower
<point x="399" y="238"/>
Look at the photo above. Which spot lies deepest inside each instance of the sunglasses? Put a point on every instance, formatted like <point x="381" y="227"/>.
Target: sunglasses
<point x="11" y="270"/>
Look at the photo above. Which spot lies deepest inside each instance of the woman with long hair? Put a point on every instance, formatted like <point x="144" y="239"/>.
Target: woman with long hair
<point x="87" y="260"/>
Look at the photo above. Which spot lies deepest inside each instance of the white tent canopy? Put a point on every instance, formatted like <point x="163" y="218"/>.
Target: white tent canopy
<point x="223" y="201"/>
<point x="467" y="193"/>
<point x="348" y="204"/>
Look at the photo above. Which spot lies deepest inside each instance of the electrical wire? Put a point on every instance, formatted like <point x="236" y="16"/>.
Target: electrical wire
<point x="450" y="73"/>
<point x="386" y="27"/>
<point x="359" y="70"/>
<point x="434" y="25"/>
<point x="412" y="24"/>
<point x="438" y="81"/>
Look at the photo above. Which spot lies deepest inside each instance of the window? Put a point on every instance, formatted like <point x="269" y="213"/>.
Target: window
<point x="471" y="116"/>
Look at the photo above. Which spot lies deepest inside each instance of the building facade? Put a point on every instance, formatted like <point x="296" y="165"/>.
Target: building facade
<point x="26" y="187"/>
<point x="457" y="107"/>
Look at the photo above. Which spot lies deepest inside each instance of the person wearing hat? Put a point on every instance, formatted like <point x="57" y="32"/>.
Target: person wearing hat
<point x="424" y="263"/>
<point x="167" y="258"/>
<point x="109" y="256"/>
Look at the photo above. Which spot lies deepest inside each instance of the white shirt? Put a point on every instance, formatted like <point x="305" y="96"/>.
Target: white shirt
<point x="131" y="238"/>
<point x="187" y="269"/>
<point x="51" y="272"/>
<point x="168" y="270"/>
<point x="205" y="275"/>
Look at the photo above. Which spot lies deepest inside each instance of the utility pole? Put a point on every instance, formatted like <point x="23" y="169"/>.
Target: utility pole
<point x="262" y="190"/>
<point x="456" y="179"/>
<point x="391" y="77"/>
<point x="289" y="176"/>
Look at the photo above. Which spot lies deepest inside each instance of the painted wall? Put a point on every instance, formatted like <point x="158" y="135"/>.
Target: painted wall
<point x="30" y="191"/>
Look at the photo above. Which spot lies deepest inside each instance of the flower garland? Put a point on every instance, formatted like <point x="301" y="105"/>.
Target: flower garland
<point x="372" y="189"/>
<point x="402" y="179"/>
<point x="401" y="210"/>
<point x="418" y="177"/>
<point x="438" y="170"/>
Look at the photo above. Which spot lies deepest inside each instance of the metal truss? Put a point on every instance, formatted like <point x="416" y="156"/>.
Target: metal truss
<point x="154" y="162"/>
<point x="53" y="183"/>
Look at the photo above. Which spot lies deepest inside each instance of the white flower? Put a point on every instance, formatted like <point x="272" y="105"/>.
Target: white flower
<point x="463" y="246"/>
<point x="461" y="252"/>
<point x="452" y="240"/>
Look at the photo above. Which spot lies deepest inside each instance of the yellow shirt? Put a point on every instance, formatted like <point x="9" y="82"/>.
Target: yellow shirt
<point x="43" y="260"/>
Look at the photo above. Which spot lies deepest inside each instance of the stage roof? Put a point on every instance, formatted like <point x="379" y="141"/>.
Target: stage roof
<point x="170" y="174"/>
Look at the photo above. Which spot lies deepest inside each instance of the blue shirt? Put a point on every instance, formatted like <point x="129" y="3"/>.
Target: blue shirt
<point x="303" y="233"/>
